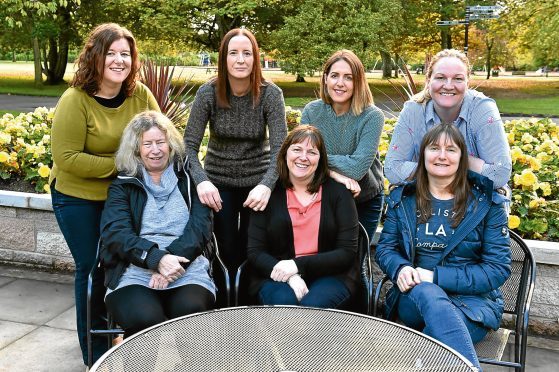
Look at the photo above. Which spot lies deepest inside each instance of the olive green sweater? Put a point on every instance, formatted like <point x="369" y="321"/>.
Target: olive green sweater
<point x="85" y="137"/>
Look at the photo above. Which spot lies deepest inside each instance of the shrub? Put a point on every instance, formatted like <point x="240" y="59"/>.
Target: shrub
<point x="25" y="152"/>
<point x="25" y="147"/>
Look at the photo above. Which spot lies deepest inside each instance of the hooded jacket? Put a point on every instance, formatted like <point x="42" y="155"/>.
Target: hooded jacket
<point x="472" y="267"/>
<point x="121" y="223"/>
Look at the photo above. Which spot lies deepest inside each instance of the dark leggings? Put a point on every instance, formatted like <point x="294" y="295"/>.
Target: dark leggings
<point x="136" y="307"/>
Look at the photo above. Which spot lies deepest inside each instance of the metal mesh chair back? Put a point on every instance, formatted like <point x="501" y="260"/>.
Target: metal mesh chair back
<point x="280" y="339"/>
<point x="515" y="288"/>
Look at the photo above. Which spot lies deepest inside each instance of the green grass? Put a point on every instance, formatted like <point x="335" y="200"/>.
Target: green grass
<point x="546" y="106"/>
<point x="514" y="95"/>
<point x="25" y="86"/>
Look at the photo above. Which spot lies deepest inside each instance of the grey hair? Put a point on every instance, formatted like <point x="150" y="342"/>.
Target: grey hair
<point x="128" y="158"/>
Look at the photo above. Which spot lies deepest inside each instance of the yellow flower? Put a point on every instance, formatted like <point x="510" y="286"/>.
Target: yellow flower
<point x="527" y="147"/>
<point x="514" y="221"/>
<point x="545" y="187"/>
<point x="526" y="178"/>
<point x="527" y="138"/>
<point x="47" y="188"/>
<point x="515" y="154"/>
<point x="535" y="164"/>
<point x="44" y="171"/>
<point x="4" y="157"/>
<point x="510" y="137"/>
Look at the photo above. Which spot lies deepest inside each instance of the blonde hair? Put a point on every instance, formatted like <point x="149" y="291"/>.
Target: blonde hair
<point x="128" y="158"/>
<point x="362" y="96"/>
<point x="424" y="95"/>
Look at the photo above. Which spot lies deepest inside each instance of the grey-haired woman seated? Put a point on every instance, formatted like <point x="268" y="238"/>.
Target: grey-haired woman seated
<point x="153" y="230"/>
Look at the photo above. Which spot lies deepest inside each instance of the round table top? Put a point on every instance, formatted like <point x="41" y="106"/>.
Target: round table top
<point x="280" y="338"/>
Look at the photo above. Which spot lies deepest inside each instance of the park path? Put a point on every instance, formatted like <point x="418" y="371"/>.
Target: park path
<point x="12" y="102"/>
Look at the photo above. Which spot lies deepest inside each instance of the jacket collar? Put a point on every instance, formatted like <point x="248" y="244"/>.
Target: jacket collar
<point x="481" y="185"/>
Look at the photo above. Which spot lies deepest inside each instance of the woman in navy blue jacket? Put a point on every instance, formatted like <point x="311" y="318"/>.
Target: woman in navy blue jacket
<point x="445" y="244"/>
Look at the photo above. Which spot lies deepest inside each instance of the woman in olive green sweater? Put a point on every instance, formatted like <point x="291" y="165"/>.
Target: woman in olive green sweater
<point x="88" y="122"/>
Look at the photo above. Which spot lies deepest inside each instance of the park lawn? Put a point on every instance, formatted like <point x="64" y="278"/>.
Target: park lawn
<point x="538" y="106"/>
<point x="514" y="95"/>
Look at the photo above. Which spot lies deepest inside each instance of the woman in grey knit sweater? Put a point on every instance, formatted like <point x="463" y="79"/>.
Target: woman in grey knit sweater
<point x="351" y="127"/>
<point x="246" y="116"/>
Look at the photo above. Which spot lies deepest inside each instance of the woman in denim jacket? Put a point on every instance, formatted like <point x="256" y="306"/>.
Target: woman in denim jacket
<point x="445" y="244"/>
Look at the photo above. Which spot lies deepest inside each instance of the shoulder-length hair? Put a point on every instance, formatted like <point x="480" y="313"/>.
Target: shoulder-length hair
<point x="460" y="187"/>
<point x="223" y="89"/>
<point x="128" y="158"/>
<point x="424" y="95"/>
<point x="362" y="96"/>
<point x="299" y="135"/>
<point x="91" y="61"/>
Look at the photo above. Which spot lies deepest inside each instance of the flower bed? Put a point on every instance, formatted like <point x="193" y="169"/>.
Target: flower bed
<point x="25" y="153"/>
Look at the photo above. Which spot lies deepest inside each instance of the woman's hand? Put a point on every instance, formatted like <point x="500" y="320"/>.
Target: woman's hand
<point x="298" y="285"/>
<point x="170" y="267"/>
<point x="284" y="270"/>
<point x="158" y="281"/>
<point x="209" y="195"/>
<point x="425" y="275"/>
<point x="408" y="277"/>
<point x="258" y="197"/>
<point x="351" y="184"/>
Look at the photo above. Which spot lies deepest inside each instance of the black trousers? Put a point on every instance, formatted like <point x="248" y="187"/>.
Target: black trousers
<point x="136" y="307"/>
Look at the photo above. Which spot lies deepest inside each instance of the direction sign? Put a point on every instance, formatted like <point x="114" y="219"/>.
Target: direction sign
<point x="483" y="16"/>
<point x="483" y="8"/>
<point x="451" y="23"/>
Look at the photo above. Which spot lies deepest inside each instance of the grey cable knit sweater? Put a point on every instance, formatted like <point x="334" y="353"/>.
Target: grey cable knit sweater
<point x="244" y="141"/>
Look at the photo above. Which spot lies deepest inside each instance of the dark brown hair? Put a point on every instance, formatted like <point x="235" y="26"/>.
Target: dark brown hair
<point x="460" y="187"/>
<point x="362" y="96"/>
<point x="91" y="61"/>
<point x="298" y="135"/>
<point x="223" y="89"/>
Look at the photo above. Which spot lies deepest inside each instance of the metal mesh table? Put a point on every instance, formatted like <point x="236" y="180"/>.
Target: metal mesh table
<point x="280" y="338"/>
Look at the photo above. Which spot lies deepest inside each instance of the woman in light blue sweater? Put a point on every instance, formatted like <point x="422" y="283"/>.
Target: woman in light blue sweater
<point x="351" y="127"/>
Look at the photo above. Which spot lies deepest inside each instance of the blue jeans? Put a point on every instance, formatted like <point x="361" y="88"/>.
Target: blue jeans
<point x="79" y="221"/>
<point x="427" y="308"/>
<point x="325" y="292"/>
<point x="369" y="214"/>
<point x="231" y="227"/>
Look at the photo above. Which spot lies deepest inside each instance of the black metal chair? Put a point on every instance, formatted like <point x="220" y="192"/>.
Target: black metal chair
<point x="517" y="294"/>
<point x="221" y="278"/>
<point x="361" y="303"/>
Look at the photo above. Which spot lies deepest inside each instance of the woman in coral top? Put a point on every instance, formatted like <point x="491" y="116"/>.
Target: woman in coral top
<point x="303" y="248"/>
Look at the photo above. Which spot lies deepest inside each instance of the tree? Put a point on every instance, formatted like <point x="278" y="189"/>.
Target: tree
<point x="318" y="29"/>
<point x="48" y="24"/>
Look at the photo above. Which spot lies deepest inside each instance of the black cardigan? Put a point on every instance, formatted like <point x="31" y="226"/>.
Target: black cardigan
<point x="270" y="238"/>
<point x="121" y="223"/>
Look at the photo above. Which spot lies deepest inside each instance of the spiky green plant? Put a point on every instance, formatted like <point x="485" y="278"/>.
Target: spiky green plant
<point x="174" y="101"/>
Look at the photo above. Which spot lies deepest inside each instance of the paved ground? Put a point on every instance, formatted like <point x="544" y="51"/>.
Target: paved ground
<point x="37" y="326"/>
<point x="10" y="102"/>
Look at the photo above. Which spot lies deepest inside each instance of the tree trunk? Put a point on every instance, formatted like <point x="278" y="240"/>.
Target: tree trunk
<point x="397" y="59"/>
<point x="446" y="38"/>
<point x="300" y="78"/>
<point x="58" y="49"/>
<point x="386" y="64"/>
<point x="13" y="55"/>
<point x="37" y="62"/>
<point x="489" y="46"/>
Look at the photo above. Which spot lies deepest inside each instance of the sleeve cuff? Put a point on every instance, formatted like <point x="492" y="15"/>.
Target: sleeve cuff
<point x="153" y="257"/>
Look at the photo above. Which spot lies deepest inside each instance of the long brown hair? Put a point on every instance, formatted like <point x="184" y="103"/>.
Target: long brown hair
<point x="362" y="96"/>
<point x="460" y="187"/>
<point x="91" y="61"/>
<point x="424" y="95"/>
<point x="223" y="89"/>
<point x="298" y="135"/>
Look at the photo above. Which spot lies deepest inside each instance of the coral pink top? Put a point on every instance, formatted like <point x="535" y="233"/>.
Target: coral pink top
<point x="305" y="221"/>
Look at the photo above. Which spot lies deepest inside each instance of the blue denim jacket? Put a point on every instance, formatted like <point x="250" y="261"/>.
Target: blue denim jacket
<point x="476" y="261"/>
